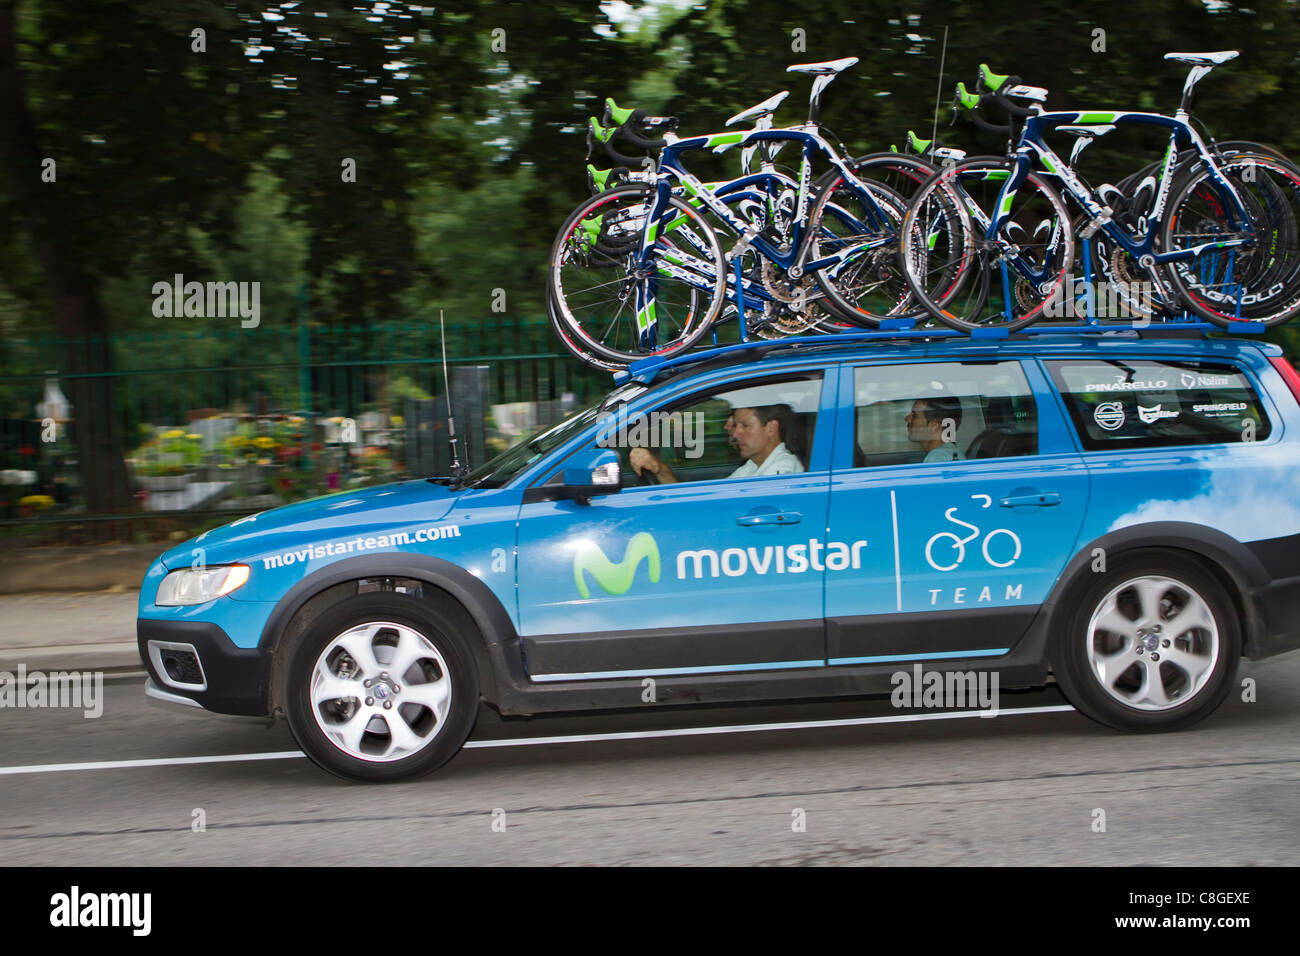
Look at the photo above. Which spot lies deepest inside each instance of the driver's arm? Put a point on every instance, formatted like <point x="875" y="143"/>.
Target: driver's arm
<point x="643" y="459"/>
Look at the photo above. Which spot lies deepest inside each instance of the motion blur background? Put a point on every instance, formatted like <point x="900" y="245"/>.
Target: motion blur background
<point x="466" y="125"/>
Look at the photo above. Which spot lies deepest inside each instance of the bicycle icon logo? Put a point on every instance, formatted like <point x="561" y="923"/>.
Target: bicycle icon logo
<point x="958" y="542"/>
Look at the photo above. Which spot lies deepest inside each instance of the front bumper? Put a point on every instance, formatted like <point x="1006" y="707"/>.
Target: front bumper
<point x="235" y="680"/>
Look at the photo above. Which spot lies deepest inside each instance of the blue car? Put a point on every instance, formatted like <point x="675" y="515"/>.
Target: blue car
<point x="1113" y="512"/>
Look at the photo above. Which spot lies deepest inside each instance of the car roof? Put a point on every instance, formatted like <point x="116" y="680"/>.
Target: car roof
<point x="853" y="347"/>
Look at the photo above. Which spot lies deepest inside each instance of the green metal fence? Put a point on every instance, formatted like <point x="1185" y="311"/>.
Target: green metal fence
<point x="260" y="415"/>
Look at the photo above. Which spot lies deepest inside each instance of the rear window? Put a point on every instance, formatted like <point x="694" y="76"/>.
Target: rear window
<point x="1146" y="403"/>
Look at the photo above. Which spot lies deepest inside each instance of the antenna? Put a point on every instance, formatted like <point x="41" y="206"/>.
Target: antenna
<point x="938" y="93"/>
<point x="457" y="471"/>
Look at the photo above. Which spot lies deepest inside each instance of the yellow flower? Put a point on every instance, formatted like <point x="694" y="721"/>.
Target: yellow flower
<point x="262" y="441"/>
<point x="174" y="433"/>
<point x="194" y="437"/>
<point x="263" y="461"/>
<point x="40" y="502"/>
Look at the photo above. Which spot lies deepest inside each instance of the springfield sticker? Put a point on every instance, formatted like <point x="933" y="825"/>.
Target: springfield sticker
<point x="1220" y="409"/>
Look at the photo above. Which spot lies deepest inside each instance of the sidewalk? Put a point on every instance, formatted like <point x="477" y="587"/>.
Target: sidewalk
<point x="82" y="631"/>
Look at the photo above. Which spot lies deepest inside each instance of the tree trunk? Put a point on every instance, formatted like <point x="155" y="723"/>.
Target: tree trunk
<point x="79" y="315"/>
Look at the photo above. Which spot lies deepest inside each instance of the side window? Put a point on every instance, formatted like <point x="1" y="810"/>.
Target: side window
<point x="1147" y="403"/>
<point x="747" y="429"/>
<point x="942" y="411"/>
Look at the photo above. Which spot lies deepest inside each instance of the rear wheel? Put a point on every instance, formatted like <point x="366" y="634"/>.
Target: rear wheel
<point x="1258" y="281"/>
<point x="1151" y="645"/>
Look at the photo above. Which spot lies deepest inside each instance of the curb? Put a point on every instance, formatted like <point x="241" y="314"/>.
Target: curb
<point x="84" y="568"/>
<point x="122" y="656"/>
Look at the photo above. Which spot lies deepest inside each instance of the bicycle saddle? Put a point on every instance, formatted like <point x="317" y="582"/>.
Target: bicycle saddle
<point x="1204" y="59"/>
<point x="826" y="68"/>
<point x="768" y="105"/>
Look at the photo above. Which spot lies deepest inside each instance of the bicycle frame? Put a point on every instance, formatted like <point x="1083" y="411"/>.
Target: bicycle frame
<point x="1143" y="249"/>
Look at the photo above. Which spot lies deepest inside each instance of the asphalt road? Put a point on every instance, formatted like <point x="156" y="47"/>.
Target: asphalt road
<point x="1019" y="788"/>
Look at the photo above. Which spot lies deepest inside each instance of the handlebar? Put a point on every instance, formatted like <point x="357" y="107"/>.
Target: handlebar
<point x="631" y="125"/>
<point x="971" y="103"/>
<point x="604" y="135"/>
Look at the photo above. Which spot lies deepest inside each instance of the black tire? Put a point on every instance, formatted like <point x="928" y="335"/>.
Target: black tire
<point x="875" y="280"/>
<point x="1075" y="644"/>
<point x="446" y="627"/>
<point x="977" y="293"/>
<point x="582" y="303"/>
<point x="1268" y="273"/>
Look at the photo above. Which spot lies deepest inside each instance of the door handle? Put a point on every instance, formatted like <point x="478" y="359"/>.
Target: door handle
<point x="769" y="517"/>
<point x="1044" y="500"/>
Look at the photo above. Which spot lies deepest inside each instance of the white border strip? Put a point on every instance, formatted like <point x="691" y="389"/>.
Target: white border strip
<point x="540" y="741"/>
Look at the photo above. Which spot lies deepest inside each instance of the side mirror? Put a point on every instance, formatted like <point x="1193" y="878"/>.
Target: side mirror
<point x="592" y="472"/>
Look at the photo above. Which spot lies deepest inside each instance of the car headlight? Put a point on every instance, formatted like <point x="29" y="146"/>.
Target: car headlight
<point x="200" y="585"/>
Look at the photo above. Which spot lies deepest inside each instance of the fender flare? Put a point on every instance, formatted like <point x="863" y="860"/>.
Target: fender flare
<point x="1234" y="558"/>
<point x="478" y="600"/>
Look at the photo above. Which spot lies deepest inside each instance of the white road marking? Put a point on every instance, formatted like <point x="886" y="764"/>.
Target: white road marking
<point x="898" y="564"/>
<point x="537" y="741"/>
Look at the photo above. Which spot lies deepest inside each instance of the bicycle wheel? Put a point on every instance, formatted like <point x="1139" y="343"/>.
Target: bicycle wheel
<point x="598" y="278"/>
<point x="969" y="280"/>
<point x="1255" y="282"/>
<point x="866" y="285"/>
<point x="898" y="172"/>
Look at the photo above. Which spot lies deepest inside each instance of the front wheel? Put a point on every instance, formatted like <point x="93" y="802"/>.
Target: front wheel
<point x="1150" y="645"/>
<point x="383" y="687"/>
<point x="859" y="229"/>
<point x="971" y="280"/>
<point x="614" y="303"/>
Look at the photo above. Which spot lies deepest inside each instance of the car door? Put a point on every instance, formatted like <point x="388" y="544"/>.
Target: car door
<point x="711" y="573"/>
<point x="962" y="551"/>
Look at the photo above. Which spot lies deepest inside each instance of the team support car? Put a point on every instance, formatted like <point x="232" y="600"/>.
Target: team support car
<point x="1116" y="513"/>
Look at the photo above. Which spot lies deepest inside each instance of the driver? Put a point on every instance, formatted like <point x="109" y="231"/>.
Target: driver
<point x="758" y="434"/>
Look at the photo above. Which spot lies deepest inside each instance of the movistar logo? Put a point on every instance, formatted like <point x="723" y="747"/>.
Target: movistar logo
<point x="614" y="578"/>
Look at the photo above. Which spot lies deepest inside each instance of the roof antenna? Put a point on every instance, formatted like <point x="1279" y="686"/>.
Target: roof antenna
<point x="938" y="93"/>
<point x="457" y="470"/>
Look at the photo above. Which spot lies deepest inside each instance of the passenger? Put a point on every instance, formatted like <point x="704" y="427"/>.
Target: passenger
<point x="926" y="424"/>
<point x="759" y="436"/>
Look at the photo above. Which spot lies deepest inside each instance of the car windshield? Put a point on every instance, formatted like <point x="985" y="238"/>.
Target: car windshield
<point x="501" y="469"/>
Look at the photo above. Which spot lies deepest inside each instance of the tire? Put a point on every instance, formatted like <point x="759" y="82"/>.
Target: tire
<point x="968" y="285"/>
<point x="1266" y="273"/>
<point x="1095" y="657"/>
<point x="871" y="288"/>
<point x="437" y="710"/>
<point x="591" y="291"/>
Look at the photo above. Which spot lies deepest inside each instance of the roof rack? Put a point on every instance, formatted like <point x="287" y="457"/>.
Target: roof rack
<point x="901" y="330"/>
